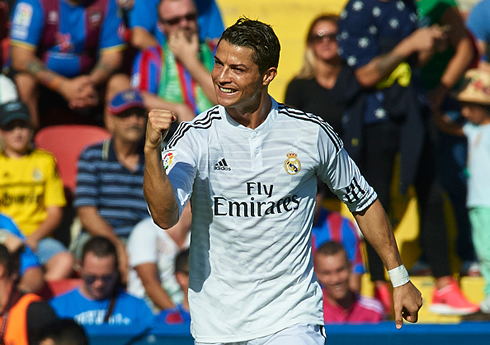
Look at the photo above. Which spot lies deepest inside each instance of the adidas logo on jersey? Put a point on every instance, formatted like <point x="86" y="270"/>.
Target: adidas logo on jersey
<point x="222" y="165"/>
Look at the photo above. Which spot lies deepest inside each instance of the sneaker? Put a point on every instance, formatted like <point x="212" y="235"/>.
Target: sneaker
<point x="470" y="269"/>
<point x="485" y="305"/>
<point x="450" y="301"/>
<point x="383" y="294"/>
<point x="420" y="268"/>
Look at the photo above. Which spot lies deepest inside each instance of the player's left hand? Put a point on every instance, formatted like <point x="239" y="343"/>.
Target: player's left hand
<point x="407" y="301"/>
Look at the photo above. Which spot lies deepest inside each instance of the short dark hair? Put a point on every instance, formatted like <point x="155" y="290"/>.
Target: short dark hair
<point x="330" y="248"/>
<point x="257" y="36"/>
<point x="182" y="261"/>
<point x="100" y="247"/>
<point x="10" y="260"/>
<point x="64" y="332"/>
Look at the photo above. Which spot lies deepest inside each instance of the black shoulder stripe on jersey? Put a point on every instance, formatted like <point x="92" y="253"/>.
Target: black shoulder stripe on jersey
<point x="354" y="192"/>
<point x="203" y="123"/>
<point x="301" y="115"/>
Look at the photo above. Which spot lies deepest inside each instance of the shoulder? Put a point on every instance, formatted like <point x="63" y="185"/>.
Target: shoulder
<point x="93" y="151"/>
<point x="68" y="295"/>
<point x="42" y="154"/>
<point x="199" y="125"/>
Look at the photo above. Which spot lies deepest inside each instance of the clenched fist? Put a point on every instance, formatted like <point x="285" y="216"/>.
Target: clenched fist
<point x="159" y="122"/>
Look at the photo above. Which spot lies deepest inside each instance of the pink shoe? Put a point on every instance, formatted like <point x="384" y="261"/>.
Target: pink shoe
<point x="450" y="301"/>
<point x="382" y="293"/>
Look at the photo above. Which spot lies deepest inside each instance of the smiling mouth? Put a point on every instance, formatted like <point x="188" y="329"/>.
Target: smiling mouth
<point x="225" y="90"/>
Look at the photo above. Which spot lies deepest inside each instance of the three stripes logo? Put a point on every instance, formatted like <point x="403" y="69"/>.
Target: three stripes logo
<point x="222" y="165"/>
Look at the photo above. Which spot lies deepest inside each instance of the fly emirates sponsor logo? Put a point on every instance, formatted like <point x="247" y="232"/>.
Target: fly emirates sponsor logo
<point x="253" y="207"/>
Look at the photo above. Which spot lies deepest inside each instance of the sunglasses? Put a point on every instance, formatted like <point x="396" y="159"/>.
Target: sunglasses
<point x="133" y="111"/>
<point x="332" y="36"/>
<point x="91" y="278"/>
<point x="190" y="17"/>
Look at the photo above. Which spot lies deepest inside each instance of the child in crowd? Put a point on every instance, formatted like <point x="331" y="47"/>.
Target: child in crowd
<point x="474" y="97"/>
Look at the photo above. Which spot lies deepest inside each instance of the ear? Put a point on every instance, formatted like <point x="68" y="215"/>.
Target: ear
<point x="269" y="76"/>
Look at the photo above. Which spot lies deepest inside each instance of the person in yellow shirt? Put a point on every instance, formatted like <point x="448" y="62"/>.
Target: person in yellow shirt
<point x="31" y="191"/>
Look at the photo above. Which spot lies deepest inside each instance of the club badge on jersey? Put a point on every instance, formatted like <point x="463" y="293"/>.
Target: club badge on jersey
<point x="292" y="165"/>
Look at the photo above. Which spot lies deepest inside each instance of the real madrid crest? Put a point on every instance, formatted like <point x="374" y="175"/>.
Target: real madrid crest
<point x="292" y="165"/>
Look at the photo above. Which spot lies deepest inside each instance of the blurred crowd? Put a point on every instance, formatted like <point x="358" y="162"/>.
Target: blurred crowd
<point x="404" y="83"/>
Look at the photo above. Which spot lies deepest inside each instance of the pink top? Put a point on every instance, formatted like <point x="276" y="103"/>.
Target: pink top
<point x="364" y="310"/>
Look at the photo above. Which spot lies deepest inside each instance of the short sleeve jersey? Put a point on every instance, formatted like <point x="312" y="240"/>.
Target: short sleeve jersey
<point x="332" y="226"/>
<point x="368" y="28"/>
<point x="253" y="196"/>
<point x="145" y="15"/>
<point x="128" y="310"/>
<point x="27" y="258"/>
<point x="28" y="186"/>
<point x="75" y="47"/>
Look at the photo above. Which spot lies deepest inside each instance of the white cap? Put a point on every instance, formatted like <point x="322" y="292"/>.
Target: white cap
<point x="8" y="91"/>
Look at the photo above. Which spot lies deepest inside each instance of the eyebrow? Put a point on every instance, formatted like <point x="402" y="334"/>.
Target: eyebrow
<point x="216" y="59"/>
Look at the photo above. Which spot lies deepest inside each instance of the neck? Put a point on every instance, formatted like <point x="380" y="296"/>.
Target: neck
<point x="14" y="154"/>
<point x="346" y="302"/>
<point x="253" y="114"/>
<point x="327" y="72"/>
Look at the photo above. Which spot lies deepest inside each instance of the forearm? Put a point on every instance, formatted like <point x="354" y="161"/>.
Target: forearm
<point x="105" y="67"/>
<point x="142" y="39"/>
<point x="158" y="190"/>
<point x="24" y="60"/>
<point x="95" y="224"/>
<point x="49" y="225"/>
<point x="376" y="228"/>
<point x="203" y="78"/>
<point x="458" y="64"/>
<point x="381" y="66"/>
<point x="157" y="294"/>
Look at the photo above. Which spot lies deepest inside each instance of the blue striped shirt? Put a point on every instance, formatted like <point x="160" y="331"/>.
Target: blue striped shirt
<point x="117" y="193"/>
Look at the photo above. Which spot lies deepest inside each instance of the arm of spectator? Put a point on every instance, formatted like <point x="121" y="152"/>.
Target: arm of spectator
<point x="142" y="39"/>
<point x="179" y="232"/>
<point x="11" y="241"/>
<point x="148" y="273"/>
<point x="182" y="111"/>
<point x="47" y="227"/>
<point x="444" y="123"/>
<point x="186" y="50"/>
<point x="459" y="39"/>
<point x="107" y="64"/>
<point x="376" y="228"/>
<point x="420" y="41"/>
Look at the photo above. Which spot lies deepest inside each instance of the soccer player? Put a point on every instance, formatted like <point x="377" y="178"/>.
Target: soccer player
<point x="249" y="167"/>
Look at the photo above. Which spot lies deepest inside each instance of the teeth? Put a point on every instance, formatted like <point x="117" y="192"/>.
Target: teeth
<point x="225" y="90"/>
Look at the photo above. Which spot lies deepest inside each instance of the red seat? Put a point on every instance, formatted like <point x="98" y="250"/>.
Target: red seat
<point x="54" y="288"/>
<point x="66" y="142"/>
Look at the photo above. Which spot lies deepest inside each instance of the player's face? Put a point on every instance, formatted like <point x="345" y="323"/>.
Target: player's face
<point x="178" y="15"/>
<point x="15" y="137"/>
<point x="236" y="78"/>
<point x="333" y="272"/>
<point x="323" y="40"/>
<point x="475" y="113"/>
<point x="99" y="275"/>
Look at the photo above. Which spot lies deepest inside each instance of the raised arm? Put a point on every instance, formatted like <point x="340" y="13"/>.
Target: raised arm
<point x="158" y="190"/>
<point x="376" y="228"/>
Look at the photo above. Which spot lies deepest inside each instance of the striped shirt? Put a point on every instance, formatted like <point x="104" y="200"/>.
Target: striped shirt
<point x="253" y="194"/>
<point x="116" y="192"/>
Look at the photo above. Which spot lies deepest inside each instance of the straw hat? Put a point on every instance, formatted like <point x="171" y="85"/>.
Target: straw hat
<point x="476" y="87"/>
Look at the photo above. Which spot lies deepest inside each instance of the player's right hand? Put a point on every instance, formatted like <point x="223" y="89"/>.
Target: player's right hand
<point x="159" y="122"/>
<point x="407" y="301"/>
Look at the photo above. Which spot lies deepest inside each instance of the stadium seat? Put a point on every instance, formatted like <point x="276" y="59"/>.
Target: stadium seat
<point x="54" y="288"/>
<point x="66" y="142"/>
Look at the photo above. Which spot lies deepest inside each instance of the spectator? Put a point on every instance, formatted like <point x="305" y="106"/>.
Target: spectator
<point x="176" y="76"/>
<point x="63" y="332"/>
<point x="31" y="191"/>
<point x="332" y="226"/>
<point x="100" y="299"/>
<point x="31" y="273"/>
<point x="440" y="74"/>
<point x="312" y="89"/>
<point x="69" y="48"/>
<point x="152" y="255"/>
<point x="109" y="194"/>
<point x="180" y="314"/>
<point x="475" y="99"/>
<point x="24" y="315"/>
<point x="146" y="32"/>
<point x="479" y="25"/>
<point x="340" y="303"/>
<point x="381" y="42"/>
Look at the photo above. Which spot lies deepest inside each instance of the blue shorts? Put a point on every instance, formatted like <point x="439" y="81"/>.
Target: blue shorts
<point x="47" y="248"/>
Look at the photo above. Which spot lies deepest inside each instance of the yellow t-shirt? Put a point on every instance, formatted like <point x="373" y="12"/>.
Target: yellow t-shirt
<point x="27" y="186"/>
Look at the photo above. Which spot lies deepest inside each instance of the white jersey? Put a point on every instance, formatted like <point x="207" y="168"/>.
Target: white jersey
<point x="252" y="195"/>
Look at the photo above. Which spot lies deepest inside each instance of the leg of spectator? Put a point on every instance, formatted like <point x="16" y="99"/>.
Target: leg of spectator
<point x="60" y="266"/>
<point x="29" y="94"/>
<point x="32" y="280"/>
